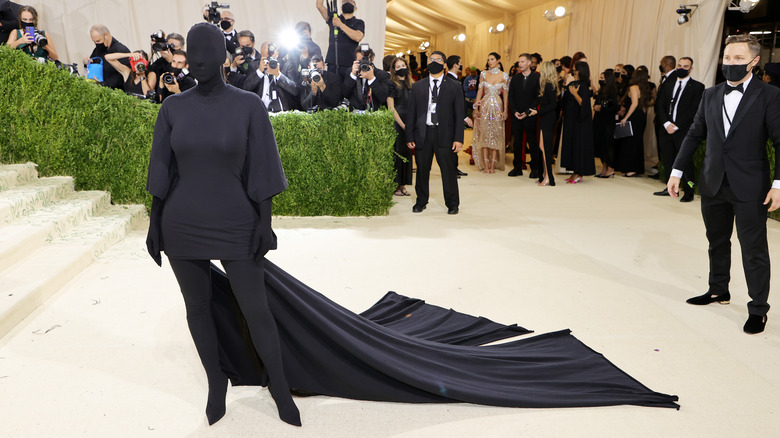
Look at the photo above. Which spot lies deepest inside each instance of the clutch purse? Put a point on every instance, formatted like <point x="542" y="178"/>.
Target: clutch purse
<point x="623" y="131"/>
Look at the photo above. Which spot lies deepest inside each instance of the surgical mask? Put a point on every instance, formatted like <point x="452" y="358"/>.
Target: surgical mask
<point x="348" y="8"/>
<point x="225" y="25"/>
<point x="559" y="68"/>
<point x="435" y="68"/>
<point x="682" y="73"/>
<point x="402" y="72"/>
<point x="735" y="72"/>
<point x="602" y="82"/>
<point x="661" y="69"/>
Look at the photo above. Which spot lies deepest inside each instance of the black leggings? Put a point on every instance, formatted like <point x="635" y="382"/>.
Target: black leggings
<point x="248" y="284"/>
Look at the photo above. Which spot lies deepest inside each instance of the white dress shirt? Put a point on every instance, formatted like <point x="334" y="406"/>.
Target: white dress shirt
<point x="439" y="82"/>
<point x="681" y="83"/>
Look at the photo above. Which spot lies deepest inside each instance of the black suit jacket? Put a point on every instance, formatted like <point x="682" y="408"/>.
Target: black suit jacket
<point x="329" y="98"/>
<point x="450" y="109"/>
<point x="669" y="81"/>
<point x="380" y="89"/>
<point x="686" y="109"/>
<point x="521" y="99"/>
<point x="742" y="154"/>
<point x="286" y="89"/>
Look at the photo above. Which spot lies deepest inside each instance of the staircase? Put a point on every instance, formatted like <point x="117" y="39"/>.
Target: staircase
<point x="48" y="234"/>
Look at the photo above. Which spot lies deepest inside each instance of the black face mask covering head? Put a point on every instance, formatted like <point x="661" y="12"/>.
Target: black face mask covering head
<point x="348" y="8"/>
<point x="205" y="56"/>
<point x="736" y="72"/>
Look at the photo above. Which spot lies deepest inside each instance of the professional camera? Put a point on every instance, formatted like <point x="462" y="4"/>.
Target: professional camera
<point x="214" y="16"/>
<point x="273" y="63"/>
<point x="139" y="66"/>
<point x="244" y="51"/>
<point x="365" y="61"/>
<point x="73" y="69"/>
<point x="40" y="39"/>
<point x="311" y="75"/>
<point x="159" y="43"/>
<point x="169" y="78"/>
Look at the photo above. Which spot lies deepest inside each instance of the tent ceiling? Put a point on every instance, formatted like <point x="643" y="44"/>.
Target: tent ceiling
<point x="410" y="22"/>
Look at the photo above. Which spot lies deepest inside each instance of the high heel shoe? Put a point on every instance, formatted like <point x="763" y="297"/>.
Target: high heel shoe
<point x="215" y="407"/>
<point x="576" y="180"/>
<point x="288" y="412"/>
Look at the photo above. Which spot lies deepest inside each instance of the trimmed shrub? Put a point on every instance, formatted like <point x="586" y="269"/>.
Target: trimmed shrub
<point x="337" y="163"/>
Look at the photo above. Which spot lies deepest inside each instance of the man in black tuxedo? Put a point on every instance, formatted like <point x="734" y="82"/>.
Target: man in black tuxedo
<point x="434" y="126"/>
<point x="736" y="118"/>
<point x="323" y="92"/>
<point x="277" y="91"/>
<point x="454" y="67"/>
<point x="667" y="66"/>
<point x="523" y="98"/>
<point x="366" y="87"/>
<point x="678" y="100"/>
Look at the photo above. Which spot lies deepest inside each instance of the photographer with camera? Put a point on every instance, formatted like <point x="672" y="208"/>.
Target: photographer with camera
<point x="105" y="44"/>
<point x="29" y="39"/>
<point x="135" y="75"/>
<point x="227" y="24"/>
<point x="163" y="46"/>
<point x="276" y="90"/>
<point x="345" y="33"/>
<point x="321" y="89"/>
<point x="178" y="79"/>
<point x="366" y="87"/>
<point x="245" y="59"/>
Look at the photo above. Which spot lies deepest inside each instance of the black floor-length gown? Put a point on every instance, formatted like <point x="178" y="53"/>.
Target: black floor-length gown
<point x="580" y="120"/>
<point x="630" y="151"/>
<point x="404" y="350"/>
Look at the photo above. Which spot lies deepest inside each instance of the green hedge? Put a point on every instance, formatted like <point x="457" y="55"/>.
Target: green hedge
<point x="337" y="163"/>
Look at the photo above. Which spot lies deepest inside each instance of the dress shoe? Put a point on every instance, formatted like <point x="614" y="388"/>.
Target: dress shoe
<point x="515" y="172"/>
<point x="417" y="208"/>
<point x="707" y="298"/>
<point x="755" y="324"/>
<point x="462" y="173"/>
<point x="687" y="197"/>
<point x="453" y="210"/>
<point x="663" y="192"/>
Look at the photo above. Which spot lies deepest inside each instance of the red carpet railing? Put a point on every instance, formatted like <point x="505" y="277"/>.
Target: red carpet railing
<point x="337" y="163"/>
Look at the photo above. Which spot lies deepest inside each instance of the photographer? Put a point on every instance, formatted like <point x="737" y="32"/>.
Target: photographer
<point x="321" y="89"/>
<point x="105" y="44"/>
<point x="172" y="42"/>
<point x="227" y="23"/>
<point x="345" y="32"/>
<point x="176" y="80"/>
<point x="366" y="87"/>
<point x="245" y="59"/>
<point x="29" y="39"/>
<point x="135" y="75"/>
<point x="9" y="19"/>
<point x="276" y="90"/>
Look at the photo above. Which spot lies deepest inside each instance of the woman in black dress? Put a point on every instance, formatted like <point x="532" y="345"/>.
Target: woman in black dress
<point x="135" y="75"/>
<point x="212" y="190"/>
<point x="400" y="92"/>
<point x="548" y="89"/>
<point x="605" y="108"/>
<point x="580" y="118"/>
<point x="630" y="150"/>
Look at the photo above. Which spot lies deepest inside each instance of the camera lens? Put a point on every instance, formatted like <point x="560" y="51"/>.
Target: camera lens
<point x="273" y="63"/>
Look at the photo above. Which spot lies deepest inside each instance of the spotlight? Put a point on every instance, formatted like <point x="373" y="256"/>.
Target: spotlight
<point x="289" y="38"/>
<point x="743" y="6"/>
<point x="462" y="37"/>
<point x="399" y="55"/>
<point x="501" y="27"/>
<point x="491" y="29"/>
<point x="685" y="13"/>
<point x="554" y="14"/>
<point x="560" y="11"/>
<point x="409" y="52"/>
<point x="426" y="44"/>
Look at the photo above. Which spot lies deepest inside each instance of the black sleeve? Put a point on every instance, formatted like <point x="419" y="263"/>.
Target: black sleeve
<point x="460" y="112"/>
<point x="264" y="174"/>
<point x="536" y="89"/>
<point x="333" y="94"/>
<point x="548" y="101"/>
<point x="162" y="165"/>
<point x="411" y="114"/>
<point x="186" y="83"/>
<point x="348" y="87"/>
<point x="511" y="95"/>
<point x="772" y="122"/>
<point x="380" y="87"/>
<point x="696" y="134"/>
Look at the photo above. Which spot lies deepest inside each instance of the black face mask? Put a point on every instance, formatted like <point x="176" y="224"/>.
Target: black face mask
<point x="435" y="68"/>
<point x="225" y="25"/>
<point x="205" y="56"/>
<point x="402" y="72"/>
<point x="618" y="76"/>
<point x="348" y="8"/>
<point x="602" y="82"/>
<point x="559" y="68"/>
<point x="661" y="69"/>
<point x="682" y="73"/>
<point x="735" y="72"/>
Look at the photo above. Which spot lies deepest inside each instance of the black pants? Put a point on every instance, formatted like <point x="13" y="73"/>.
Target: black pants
<point x="526" y="126"/>
<point x="719" y="213"/>
<point x="448" y="164"/>
<point x="669" y="145"/>
<point x="248" y="284"/>
<point x="546" y="128"/>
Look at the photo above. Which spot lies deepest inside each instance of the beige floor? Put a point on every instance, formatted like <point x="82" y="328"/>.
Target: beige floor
<point x="110" y="355"/>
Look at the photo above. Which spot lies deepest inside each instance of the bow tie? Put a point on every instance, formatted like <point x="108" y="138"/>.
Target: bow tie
<point x="739" y="88"/>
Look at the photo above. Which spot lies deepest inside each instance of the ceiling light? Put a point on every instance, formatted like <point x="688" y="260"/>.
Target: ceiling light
<point x="554" y="14"/>
<point x="560" y="11"/>
<point x="462" y="37"/>
<point x="409" y="52"/>
<point x="501" y="27"/>
<point x="426" y="44"/>
<point x="685" y="13"/>
<point x="491" y="29"/>
<point x="399" y="55"/>
<point x="743" y="6"/>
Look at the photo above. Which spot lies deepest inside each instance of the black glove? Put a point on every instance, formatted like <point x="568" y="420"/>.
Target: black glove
<point x="154" y="236"/>
<point x="264" y="238"/>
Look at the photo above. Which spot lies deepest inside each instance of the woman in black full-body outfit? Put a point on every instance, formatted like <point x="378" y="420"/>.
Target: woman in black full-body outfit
<point x="397" y="102"/>
<point x="630" y="150"/>
<point x="212" y="195"/>
<point x="605" y="108"/>
<point x="582" y="155"/>
<point x="548" y="85"/>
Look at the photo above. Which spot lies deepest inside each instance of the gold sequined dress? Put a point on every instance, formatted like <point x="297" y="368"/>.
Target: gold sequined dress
<point x="489" y="128"/>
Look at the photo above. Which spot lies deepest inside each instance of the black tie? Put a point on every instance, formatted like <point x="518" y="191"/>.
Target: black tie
<point x="674" y="100"/>
<point x="739" y="88"/>
<point x="434" y="98"/>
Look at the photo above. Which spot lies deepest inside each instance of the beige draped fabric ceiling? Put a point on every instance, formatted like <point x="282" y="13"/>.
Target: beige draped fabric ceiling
<point x="132" y="21"/>
<point x="608" y="31"/>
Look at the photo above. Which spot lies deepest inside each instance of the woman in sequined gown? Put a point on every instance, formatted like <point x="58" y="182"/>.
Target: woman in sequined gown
<point x="491" y="108"/>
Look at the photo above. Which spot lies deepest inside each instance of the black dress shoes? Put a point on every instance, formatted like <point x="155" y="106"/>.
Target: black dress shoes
<point x="755" y="324"/>
<point x="418" y="208"/>
<point x="687" y="197"/>
<point x="461" y="173"/>
<point x="452" y="210"/>
<point x="708" y="298"/>
<point x="663" y="192"/>
<point x="515" y="172"/>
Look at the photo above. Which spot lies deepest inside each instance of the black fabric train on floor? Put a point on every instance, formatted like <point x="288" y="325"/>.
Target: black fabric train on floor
<point x="404" y="350"/>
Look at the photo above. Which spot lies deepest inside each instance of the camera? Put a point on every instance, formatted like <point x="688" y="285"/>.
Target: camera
<point x="213" y="14"/>
<point x="169" y="78"/>
<point x="365" y="61"/>
<point x="365" y="50"/>
<point x="159" y="43"/>
<point x="40" y="39"/>
<point x="139" y="66"/>
<point x="73" y="69"/>
<point x="273" y="63"/>
<point x="245" y="51"/>
<point x="311" y="75"/>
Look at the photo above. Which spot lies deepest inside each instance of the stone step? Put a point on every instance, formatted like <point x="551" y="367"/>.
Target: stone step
<point x="32" y="281"/>
<point x="28" y="233"/>
<point x="12" y="175"/>
<point x="24" y="199"/>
